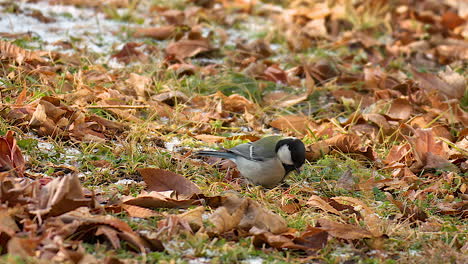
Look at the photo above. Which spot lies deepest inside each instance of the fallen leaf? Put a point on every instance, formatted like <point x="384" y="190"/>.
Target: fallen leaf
<point x="320" y="203"/>
<point x="345" y="231"/>
<point x="59" y="196"/>
<point x="295" y="123"/>
<point x="431" y="82"/>
<point x="242" y="213"/>
<point x="159" y="33"/>
<point x="162" y="180"/>
<point x="157" y="200"/>
<point x="400" y="109"/>
<point x="11" y="158"/>
<point x="137" y="211"/>
<point x="187" y="48"/>
<point x="210" y="138"/>
<point x="372" y="221"/>
<point x="80" y="224"/>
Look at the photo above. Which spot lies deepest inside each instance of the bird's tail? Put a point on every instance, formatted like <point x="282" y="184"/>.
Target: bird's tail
<point x="225" y="155"/>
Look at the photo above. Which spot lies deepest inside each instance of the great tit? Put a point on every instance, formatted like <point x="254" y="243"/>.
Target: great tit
<point x="266" y="161"/>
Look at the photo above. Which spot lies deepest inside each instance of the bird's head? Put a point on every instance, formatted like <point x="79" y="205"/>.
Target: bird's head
<point x="291" y="152"/>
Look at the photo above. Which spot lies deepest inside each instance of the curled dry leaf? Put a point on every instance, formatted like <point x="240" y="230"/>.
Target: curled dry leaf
<point x="60" y="196"/>
<point x="187" y="48"/>
<point x="130" y="53"/>
<point x="11" y="158"/>
<point x="449" y="84"/>
<point x="140" y="84"/>
<point x="428" y="151"/>
<point x="80" y="224"/>
<point x="372" y="221"/>
<point x="320" y="203"/>
<point x="160" y="180"/>
<point x="242" y="213"/>
<point x="13" y="52"/>
<point x="400" y="109"/>
<point x="309" y="241"/>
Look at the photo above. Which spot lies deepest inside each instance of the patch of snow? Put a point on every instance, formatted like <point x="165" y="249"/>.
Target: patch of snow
<point x="45" y="146"/>
<point x="90" y="25"/>
<point x="253" y="261"/>
<point x="125" y="182"/>
<point x="199" y="261"/>
<point x="171" y="145"/>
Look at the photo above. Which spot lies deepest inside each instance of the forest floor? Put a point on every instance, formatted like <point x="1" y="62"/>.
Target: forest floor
<point x="103" y="104"/>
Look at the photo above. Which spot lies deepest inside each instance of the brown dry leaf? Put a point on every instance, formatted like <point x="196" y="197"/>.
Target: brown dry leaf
<point x="411" y="212"/>
<point x="23" y="247"/>
<point x="347" y="143"/>
<point x="187" y="48"/>
<point x="159" y="33"/>
<point x="318" y="202"/>
<point x="210" y="138"/>
<point x="400" y="109"/>
<point x="194" y="218"/>
<point x="454" y="208"/>
<point x="284" y="100"/>
<point x="295" y="123"/>
<point x="372" y="221"/>
<point x="92" y="3"/>
<point x="242" y="213"/>
<point x="137" y="211"/>
<point x="11" y="158"/>
<point x="309" y="241"/>
<point x="451" y="20"/>
<point x="345" y="231"/>
<point x="237" y="103"/>
<point x="449" y="85"/>
<point x="426" y="149"/>
<point x="171" y="98"/>
<point x="140" y="84"/>
<point x="80" y="224"/>
<point x="129" y="53"/>
<point x="60" y="196"/>
<point x="13" y="52"/>
<point x="274" y="74"/>
<point x="399" y="154"/>
<point x="160" y="180"/>
<point x="157" y="200"/>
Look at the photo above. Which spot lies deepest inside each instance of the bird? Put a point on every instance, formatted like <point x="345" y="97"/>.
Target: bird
<point x="264" y="162"/>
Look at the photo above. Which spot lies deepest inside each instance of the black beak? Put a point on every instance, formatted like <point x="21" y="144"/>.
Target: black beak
<point x="298" y="170"/>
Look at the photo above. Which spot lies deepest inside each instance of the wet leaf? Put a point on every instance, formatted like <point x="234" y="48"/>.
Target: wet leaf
<point x="11" y="158"/>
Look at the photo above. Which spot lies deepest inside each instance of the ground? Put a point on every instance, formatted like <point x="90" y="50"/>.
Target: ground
<point x="103" y="105"/>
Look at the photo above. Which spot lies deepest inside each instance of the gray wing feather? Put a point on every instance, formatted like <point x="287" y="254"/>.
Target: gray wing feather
<point x="258" y="150"/>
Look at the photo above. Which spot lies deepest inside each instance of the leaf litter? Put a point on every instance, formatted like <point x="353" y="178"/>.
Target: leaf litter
<point x="378" y="94"/>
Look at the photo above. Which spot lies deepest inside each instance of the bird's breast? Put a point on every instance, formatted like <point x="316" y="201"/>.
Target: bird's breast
<point x="267" y="173"/>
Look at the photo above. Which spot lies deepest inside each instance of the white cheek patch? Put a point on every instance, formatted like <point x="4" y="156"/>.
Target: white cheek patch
<point x="284" y="155"/>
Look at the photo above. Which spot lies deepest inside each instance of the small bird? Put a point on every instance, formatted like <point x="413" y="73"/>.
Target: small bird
<point x="266" y="161"/>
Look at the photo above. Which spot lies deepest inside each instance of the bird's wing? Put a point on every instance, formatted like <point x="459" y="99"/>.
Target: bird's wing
<point x="259" y="150"/>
